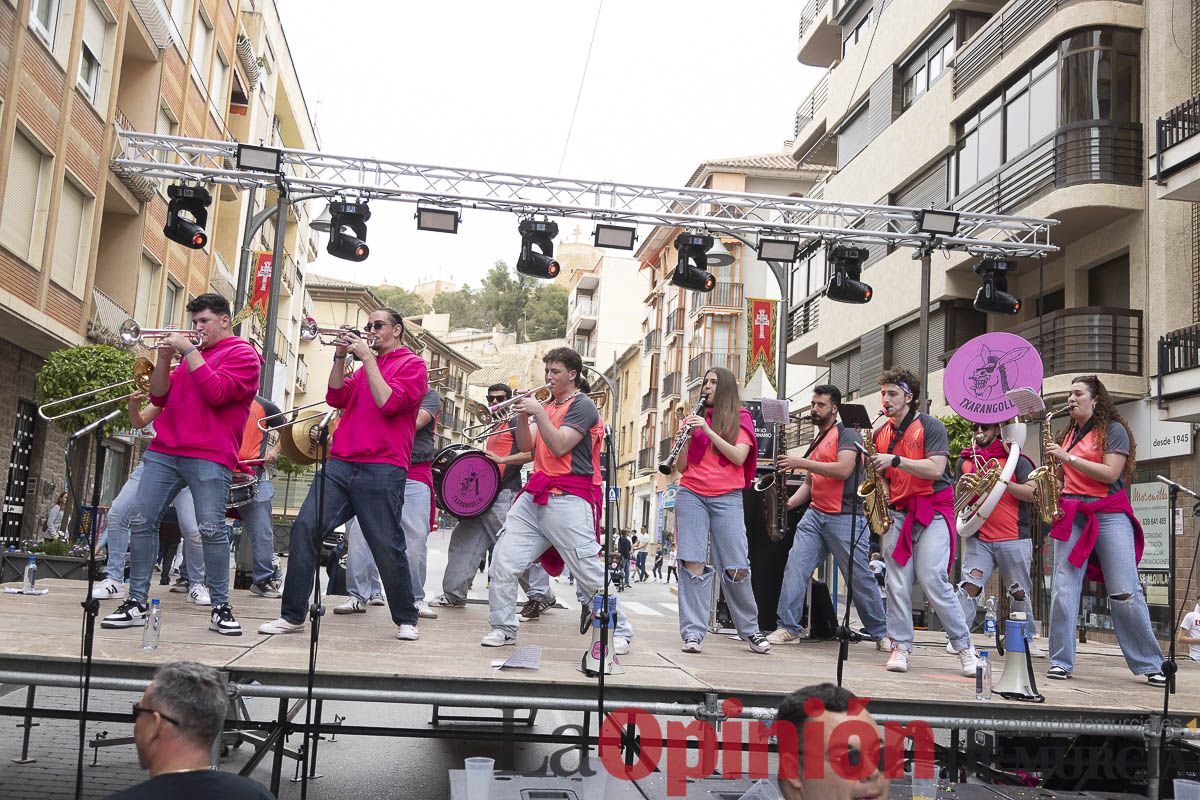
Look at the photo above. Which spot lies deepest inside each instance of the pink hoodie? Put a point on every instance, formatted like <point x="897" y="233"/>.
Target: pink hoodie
<point x="204" y="411"/>
<point x="374" y="434"/>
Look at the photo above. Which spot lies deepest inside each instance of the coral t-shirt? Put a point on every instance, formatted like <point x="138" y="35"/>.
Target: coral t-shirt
<point x="830" y="494"/>
<point x="924" y="437"/>
<point x="579" y="413"/>
<point x="1009" y="520"/>
<point x="709" y="477"/>
<point x="1088" y="449"/>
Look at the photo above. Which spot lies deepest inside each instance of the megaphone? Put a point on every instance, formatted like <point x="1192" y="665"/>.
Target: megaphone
<point x="1017" y="682"/>
<point x="600" y="655"/>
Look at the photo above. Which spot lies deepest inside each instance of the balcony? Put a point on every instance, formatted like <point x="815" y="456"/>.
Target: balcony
<point x="703" y="362"/>
<point x="820" y="37"/>
<point x="105" y="322"/>
<point x="810" y="122"/>
<point x="1177" y="386"/>
<point x="672" y="385"/>
<point x="1177" y="153"/>
<point x="664" y="448"/>
<point x="139" y="186"/>
<point x="724" y="295"/>
<point x="1073" y="155"/>
<point x="583" y="312"/>
<point x="157" y="20"/>
<point x="650" y="342"/>
<point x="1007" y="28"/>
<point x="675" y="322"/>
<point x="645" y="462"/>
<point x="650" y="400"/>
<point x="586" y="348"/>
<point x="802" y="321"/>
<point x="1090" y="339"/>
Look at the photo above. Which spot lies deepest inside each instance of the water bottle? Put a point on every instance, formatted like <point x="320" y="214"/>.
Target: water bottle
<point x="30" y="575"/>
<point x="154" y="626"/>
<point x="983" y="678"/>
<point x="989" y="616"/>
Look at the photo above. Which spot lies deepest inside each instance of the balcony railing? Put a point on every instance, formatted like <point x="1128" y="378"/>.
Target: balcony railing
<point x="650" y="400"/>
<point x="584" y="307"/>
<point x="675" y="321"/>
<point x="810" y="12"/>
<point x="1180" y="124"/>
<point x="1073" y="155"/>
<point x="703" y="362"/>
<point x="646" y="459"/>
<point x="664" y="447"/>
<point x="1088" y="339"/>
<point x="671" y="385"/>
<point x="585" y="347"/>
<point x="807" y="110"/>
<point x="1179" y="350"/>
<point x="723" y="294"/>
<point x="650" y="342"/>
<point x="107" y="315"/>
<point x="805" y="318"/>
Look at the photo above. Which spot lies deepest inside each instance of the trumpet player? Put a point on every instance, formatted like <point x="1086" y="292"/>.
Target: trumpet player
<point x="205" y="402"/>
<point x="1003" y="541"/>
<point x="913" y="458"/>
<point x="826" y="526"/>
<point x="1098" y="536"/>
<point x="368" y="465"/>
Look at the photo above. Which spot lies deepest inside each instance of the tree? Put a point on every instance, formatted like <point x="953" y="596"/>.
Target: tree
<point x="959" y="432"/>
<point x="74" y="370"/>
<point x="462" y="306"/>
<point x="409" y="304"/>
<point x="545" y="314"/>
<point x="532" y="308"/>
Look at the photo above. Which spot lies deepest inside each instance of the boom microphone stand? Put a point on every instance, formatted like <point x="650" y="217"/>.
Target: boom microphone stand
<point x="845" y="635"/>
<point x="91" y="607"/>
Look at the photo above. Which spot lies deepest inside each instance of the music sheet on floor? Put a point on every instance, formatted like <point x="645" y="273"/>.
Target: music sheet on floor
<point x="527" y="656"/>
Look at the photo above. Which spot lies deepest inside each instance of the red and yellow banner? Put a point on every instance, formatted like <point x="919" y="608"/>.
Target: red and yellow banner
<point x="761" y="319"/>
<point x="260" y="291"/>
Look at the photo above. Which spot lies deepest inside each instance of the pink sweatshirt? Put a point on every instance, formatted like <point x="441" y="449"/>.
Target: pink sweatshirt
<point x="204" y="411"/>
<point x="380" y="435"/>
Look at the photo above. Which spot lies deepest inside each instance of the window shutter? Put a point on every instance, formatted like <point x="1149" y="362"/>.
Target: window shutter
<point x="21" y="196"/>
<point x="94" y="28"/>
<point x="906" y="347"/>
<point x="67" y="237"/>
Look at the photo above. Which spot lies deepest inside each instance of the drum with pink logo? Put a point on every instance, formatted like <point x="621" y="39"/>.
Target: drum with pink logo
<point x="983" y="370"/>
<point x="465" y="481"/>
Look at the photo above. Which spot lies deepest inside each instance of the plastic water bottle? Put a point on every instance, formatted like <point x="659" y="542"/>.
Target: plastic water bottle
<point x="30" y="575"/>
<point x="154" y="627"/>
<point x="989" y="616"/>
<point x="983" y="678"/>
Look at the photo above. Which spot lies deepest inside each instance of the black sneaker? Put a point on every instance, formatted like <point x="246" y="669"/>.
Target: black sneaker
<point x="1058" y="674"/>
<point x="531" y="611"/>
<point x="223" y="622"/>
<point x="268" y="588"/>
<point x="130" y="614"/>
<point x="1157" y="679"/>
<point x="758" y="643"/>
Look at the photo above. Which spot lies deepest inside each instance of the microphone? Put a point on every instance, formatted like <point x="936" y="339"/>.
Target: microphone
<point x="1176" y="486"/>
<point x="84" y="431"/>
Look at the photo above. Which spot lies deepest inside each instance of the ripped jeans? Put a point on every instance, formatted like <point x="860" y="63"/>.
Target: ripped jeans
<point x="163" y="477"/>
<point x="720" y="522"/>
<point x="980" y="559"/>
<point x="1130" y="615"/>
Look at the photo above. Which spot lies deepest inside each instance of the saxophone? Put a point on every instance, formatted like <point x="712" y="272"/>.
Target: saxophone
<point x="873" y="493"/>
<point x="1047" y="487"/>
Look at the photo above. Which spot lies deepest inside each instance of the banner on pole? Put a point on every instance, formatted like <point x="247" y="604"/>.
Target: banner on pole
<point x="261" y="263"/>
<point x="761" y="318"/>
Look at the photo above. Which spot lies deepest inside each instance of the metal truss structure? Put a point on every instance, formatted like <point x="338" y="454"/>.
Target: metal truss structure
<point x="742" y="215"/>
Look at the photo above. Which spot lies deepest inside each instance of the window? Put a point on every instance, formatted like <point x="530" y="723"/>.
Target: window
<point x="852" y="36"/>
<point x="43" y="18"/>
<point x="927" y="65"/>
<point x="181" y="13"/>
<point x="165" y="125"/>
<point x="69" y="238"/>
<point x="172" y="309"/>
<point x="145" y="307"/>
<point x="95" y="31"/>
<point x="219" y="91"/>
<point x="202" y="48"/>
<point x="24" y="198"/>
<point x="854" y="136"/>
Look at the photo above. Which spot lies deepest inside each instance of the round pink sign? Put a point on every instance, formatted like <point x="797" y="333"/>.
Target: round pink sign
<point x="984" y="369"/>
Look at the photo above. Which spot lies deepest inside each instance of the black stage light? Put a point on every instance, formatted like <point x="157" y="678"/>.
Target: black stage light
<point x="937" y="222"/>
<point x="348" y="230"/>
<point x="187" y="214"/>
<point x="844" y="285"/>
<point x="690" y="269"/>
<point x="993" y="296"/>
<point x="540" y="234"/>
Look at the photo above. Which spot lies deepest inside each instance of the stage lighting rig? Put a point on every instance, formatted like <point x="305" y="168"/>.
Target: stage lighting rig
<point x="844" y="285"/>
<point x="691" y="269"/>
<point x="993" y="296"/>
<point x="540" y="234"/>
<point x="348" y="230"/>
<point x="187" y="214"/>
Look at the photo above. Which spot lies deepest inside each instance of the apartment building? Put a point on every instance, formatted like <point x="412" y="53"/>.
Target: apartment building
<point x="1024" y="108"/>
<point x="601" y="322"/>
<point x="685" y="333"/>
<point x="627" y="374"/>
<point x="81" y="244"/>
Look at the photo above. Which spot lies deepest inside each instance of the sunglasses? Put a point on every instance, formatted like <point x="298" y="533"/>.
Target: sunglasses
<point x="378" y="325"/>
<point x="139" y="710"/>
<point x="978" y="427"/>
<point x="496" y="398"/>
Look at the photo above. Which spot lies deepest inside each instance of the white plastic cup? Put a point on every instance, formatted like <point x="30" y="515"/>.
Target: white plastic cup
<point x="595" y="786"/>
<point x="479" y="777"/>
<point x="924" y="788"/>
<point x="1186" y="790"/>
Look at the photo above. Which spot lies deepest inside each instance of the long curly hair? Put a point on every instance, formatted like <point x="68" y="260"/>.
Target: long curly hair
<point x="726" y="405"/>
<point x="1105" y="413"/>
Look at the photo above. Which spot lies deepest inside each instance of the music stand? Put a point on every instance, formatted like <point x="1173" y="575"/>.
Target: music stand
<point x="1028" y="402"/>
<point x="854" y="415"/>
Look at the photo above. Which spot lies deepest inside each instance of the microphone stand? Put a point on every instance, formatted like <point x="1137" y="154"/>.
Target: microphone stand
<point x="316" y="610"/>
<point x="91" y="607"/>
<point x="844" y="634"/>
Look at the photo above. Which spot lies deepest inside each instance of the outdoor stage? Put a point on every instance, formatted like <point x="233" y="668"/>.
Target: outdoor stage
<point x="360" y="659"/>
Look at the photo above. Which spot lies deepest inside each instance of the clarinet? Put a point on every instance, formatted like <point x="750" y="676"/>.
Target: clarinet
<point x="681" y="439"/>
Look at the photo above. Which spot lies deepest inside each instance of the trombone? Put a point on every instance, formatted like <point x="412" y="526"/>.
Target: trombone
<point x="142" y="369"/>
<point x="132" y="333"/>
<point x="296" y="443"/>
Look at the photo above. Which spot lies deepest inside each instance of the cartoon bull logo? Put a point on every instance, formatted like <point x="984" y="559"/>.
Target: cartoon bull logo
<point x="991" y="374"/>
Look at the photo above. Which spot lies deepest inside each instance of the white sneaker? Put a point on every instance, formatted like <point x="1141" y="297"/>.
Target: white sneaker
<point x="497" y="638"/>
<point x="198" y="594"/>
<point x="620" y="645"/>
<point x="351" y="606"/>
<point x="969" y="661"/>
<point x="376" y="600"/>
<point x="784" y="636"/>
<point x="883" y="645"/>
<point x="408" y="633"/>
<point x="425" y="612"/>
<point x="950" y="648"/>
<point x="1035" y="649"/>
<point x="108" y="589"/>
<point x="899" y="660"/>
<point x="280" y="625"/>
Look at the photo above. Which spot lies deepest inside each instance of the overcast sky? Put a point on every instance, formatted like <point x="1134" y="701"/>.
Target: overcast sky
<point x="493" y="84"/>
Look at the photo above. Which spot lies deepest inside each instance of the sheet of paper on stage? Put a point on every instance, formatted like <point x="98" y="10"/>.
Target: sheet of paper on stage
<point x="527" y="656"/>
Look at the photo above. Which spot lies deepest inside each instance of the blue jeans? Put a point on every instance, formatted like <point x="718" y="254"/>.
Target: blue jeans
<point x="362" y="576"/>
<point x="116" y="533"/>
<point x="375" y="494"/>
<point x="718" y="522"/>
<point x="817" y="535"/>
<point x="259" y="525"/>
<point x="927" y="566"/>
<point x="980" y="559"/>
<point x="415" y="521"/>
<point x="1131" y="617"/>
<point x="469" y="542"/>
<point x="162" y="479"/>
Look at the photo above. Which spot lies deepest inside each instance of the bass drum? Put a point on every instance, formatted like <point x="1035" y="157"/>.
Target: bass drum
<point x="465" y="481"/>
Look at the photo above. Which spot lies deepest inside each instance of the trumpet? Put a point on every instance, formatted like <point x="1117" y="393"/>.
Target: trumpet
<point x="541" y="394"/>
<point x="142" y="369"/>
<point x="311" y="331"/>
<point x="132" y="333"/>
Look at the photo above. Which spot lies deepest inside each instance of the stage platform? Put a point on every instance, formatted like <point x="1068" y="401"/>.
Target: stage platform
<point x="360" y="658"/>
